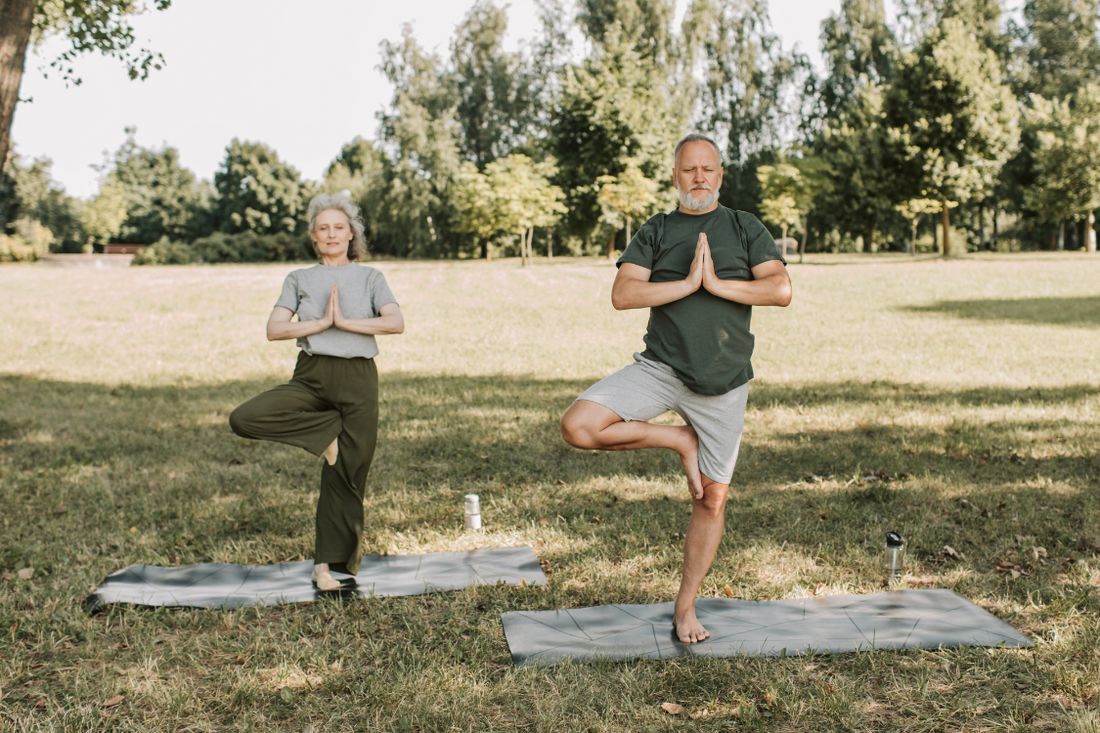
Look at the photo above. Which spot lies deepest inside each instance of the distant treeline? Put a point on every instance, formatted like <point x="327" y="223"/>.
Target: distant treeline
<point x="955" y="118"/>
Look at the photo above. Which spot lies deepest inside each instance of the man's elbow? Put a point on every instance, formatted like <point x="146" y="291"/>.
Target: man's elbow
<point x="783" y="294"/>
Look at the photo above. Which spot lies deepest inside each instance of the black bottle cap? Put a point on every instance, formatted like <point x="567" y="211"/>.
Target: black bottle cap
<point x="893" y="539"/>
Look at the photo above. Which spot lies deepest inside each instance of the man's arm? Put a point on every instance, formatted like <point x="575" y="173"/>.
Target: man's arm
<point x="632" y="288"/>
<point x="770" y="286"/>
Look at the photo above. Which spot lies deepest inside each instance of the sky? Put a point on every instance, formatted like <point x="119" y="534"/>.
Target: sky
<point x="302" y="77"/>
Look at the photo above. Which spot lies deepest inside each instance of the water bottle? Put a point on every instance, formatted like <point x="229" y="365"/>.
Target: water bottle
<point x="894" y="560"/>
<point x="473" y="512"/>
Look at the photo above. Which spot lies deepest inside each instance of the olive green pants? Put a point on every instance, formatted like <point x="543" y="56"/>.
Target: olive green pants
<point x="328" y="398"/>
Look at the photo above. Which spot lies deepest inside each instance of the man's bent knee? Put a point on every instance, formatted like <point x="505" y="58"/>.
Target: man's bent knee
<point x="576" y="431"/>
<point x="714" y="498"/>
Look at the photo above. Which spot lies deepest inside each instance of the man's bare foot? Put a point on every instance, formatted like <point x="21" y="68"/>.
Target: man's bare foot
<point x="323" y="579"/>
<point x="687" y="627"/>
<point x="688" y="449"/>
<point x="331" y="453"/>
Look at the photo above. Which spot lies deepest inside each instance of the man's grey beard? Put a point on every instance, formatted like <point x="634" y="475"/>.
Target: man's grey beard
<point x="695" y="204"/>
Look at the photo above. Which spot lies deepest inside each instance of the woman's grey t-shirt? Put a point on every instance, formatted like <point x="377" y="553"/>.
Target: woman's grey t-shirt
<point x="362" y="291"/>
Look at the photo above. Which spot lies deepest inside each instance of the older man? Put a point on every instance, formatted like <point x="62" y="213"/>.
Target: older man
<point x="699" y="269"/>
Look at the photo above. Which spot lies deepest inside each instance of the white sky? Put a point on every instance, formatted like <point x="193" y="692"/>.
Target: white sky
<point x="300" y="76"/>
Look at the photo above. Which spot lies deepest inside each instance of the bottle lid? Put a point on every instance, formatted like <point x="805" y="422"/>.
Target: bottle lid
<point x="893" y="539"/>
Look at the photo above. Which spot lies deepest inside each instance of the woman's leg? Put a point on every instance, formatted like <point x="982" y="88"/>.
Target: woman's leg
<point x="354" y="392"/>
<point x="290" y="413"/>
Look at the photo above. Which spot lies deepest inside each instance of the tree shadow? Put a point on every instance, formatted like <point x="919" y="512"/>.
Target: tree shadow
<point x="109" y="465"/>
<point x="1083" y="311"/>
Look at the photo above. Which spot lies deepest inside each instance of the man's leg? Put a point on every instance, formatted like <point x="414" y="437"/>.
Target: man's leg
<point x="708" y="517"/>
<point x="591" y="426"/>
<point x="719" y="422"/>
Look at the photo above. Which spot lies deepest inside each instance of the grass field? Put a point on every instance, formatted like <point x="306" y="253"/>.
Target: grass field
<point x="955" y="401"/>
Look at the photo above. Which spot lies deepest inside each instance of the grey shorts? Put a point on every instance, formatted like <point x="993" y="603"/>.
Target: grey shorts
<point x="646" y="389"/>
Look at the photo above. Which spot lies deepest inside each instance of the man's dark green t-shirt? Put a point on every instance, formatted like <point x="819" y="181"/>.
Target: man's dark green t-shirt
<point x="704" y="338"/>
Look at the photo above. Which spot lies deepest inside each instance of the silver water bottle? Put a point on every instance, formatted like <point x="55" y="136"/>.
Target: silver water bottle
<point x="473" y="512"/>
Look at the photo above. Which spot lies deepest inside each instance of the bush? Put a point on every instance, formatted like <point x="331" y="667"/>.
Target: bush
<point x="252" y="247"/>
<point x="30" y="242"/>
<point x="221" y="247"/>
<point x="165" y="252"/>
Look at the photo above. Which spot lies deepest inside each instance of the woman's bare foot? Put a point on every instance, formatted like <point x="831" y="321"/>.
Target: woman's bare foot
<point x="323" y="579"/>
<point x="688" y="448"/>
<point x="330" y="454"/>
<point x="687" y="627"/>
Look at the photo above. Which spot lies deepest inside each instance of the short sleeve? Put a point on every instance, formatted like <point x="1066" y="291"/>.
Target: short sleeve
<point x="759" y="242"/>
<point x="642" y="249"/>
<point x="378" y="290"/>
<point x="289" y="297"/>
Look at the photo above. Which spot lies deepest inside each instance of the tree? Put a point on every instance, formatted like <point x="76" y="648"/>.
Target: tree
<point x="1067" y="157"/>
<point x="524" y="198"/>
<point x="613" y="110"/>
<point x="913" y="210"/>
<point x="1058" y="41"/>
<point x="495" y="109"/>
<point x="103" y="216"/>
<point x="645" y="23"/>
<point x="88" y="25"/>
<point x="408" y="205"/>
<point x="860" y="54"/>
<point x="955" y="122"/>
<point x="745" y="84"/>
<point x="475" y="207"/>
<point x="29" y="192"/>
<point x="163" y="199"/>
<point x="622" y="198"/>
<point x="513" y="195"/>
<point x="852" y="149"/>
<point x="258" y="192"/>
<point x="780" y="185"/>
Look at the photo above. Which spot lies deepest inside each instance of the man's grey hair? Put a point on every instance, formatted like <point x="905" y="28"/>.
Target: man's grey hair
<point x="693" y="137"/>
<point x="340" y="202"/>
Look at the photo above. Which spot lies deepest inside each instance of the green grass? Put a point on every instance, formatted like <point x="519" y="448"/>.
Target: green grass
<point x="955" y="401"/>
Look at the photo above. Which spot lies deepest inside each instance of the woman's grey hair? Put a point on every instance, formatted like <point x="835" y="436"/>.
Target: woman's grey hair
<point x="340" y="202"/>
<point x="693" y="137"/>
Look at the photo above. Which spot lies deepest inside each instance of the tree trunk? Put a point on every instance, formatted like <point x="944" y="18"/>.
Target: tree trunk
<point x="628" y="231"/>
<point x="531" y="245"/>
<point x="993" y="242"/>
<point x="981" y="227"/>
<point x="868" y="238"/>
<point x="611" y="246"/>
<point x="783" y="236"/>
<point x="1090" y="240"/>
<point x="805" y="235"/>
<point x="16" y="21"/>
<point x="485" y="253"/>
<point x="946" y="234"/>
<point x="523" y="248"/>
<point x="913" y="239"/>
<point x="1061" y="236"/>
<point x="550" y="246"/>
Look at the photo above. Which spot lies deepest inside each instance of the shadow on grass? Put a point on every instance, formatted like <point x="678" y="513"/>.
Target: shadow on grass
<point x="111" y="466"/>
<point x="1081" y="311"/>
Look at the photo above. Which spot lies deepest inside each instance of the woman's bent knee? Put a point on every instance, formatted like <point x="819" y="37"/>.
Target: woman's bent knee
<point x="238" y="422"/>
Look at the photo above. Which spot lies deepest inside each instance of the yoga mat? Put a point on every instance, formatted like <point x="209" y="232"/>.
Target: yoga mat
<point x="221" y="585"/>
<point x="899" y="619"/>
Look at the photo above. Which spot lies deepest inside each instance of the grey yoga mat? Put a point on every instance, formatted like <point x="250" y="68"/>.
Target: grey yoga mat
<point x="846" y="623"/>
<point x="218" y="585"/>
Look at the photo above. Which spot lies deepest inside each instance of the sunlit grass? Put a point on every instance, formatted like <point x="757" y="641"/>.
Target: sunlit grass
<point x="957" y="402"/>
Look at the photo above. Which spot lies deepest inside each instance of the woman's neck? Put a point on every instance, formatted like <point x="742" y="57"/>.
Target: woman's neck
<point x="340" y="261"/>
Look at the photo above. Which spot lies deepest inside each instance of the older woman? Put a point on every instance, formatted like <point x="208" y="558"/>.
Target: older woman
<point x="330" y="405"/>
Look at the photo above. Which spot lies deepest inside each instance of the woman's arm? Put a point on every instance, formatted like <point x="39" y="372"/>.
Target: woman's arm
<point x="280" y="327"/>
<point x="389" y="319"/>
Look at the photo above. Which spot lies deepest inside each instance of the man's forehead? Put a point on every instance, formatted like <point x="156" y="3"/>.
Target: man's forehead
<point x="698" y="152"/>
